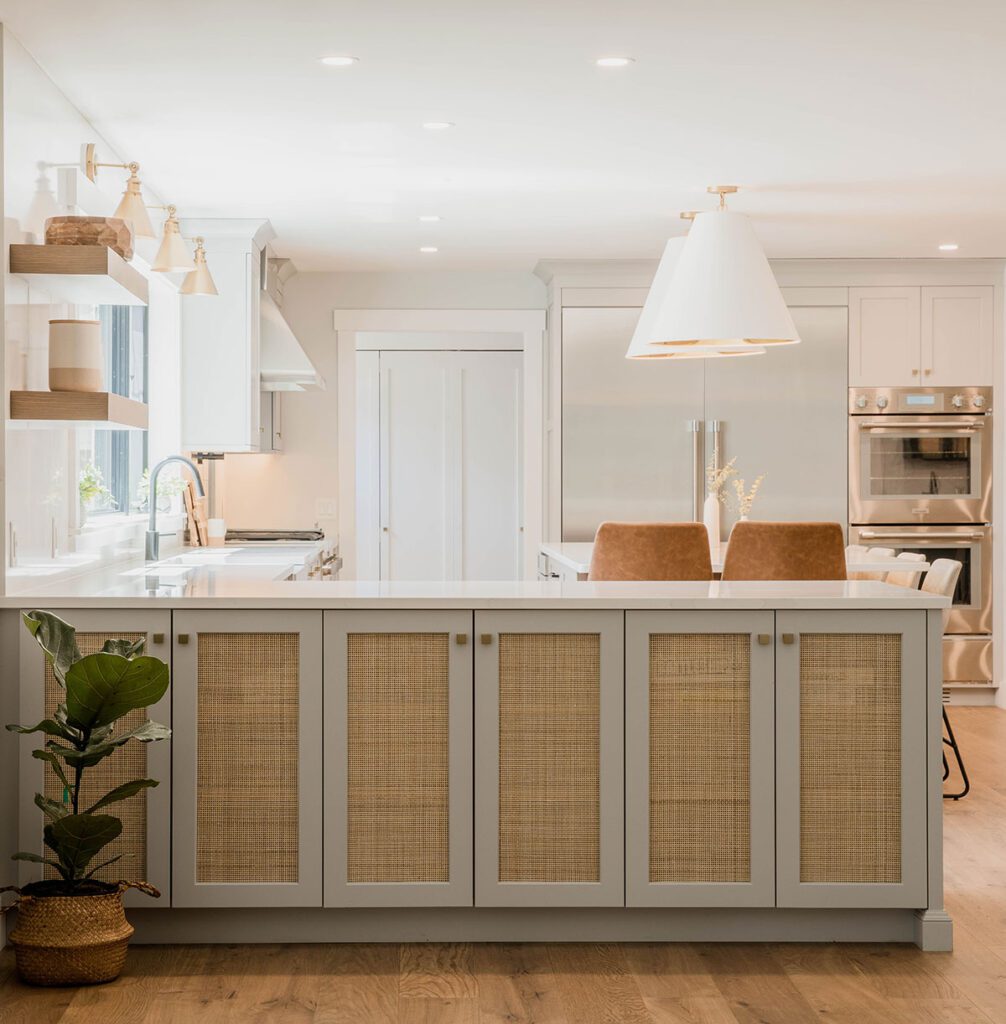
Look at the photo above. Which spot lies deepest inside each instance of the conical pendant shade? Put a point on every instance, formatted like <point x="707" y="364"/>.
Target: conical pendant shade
<point x="643" y="344"/>
<point x="132" y="208"/>
<point x="173" y="255"/>
<point x="722" y="291"/>
<point x="199" y="281"/>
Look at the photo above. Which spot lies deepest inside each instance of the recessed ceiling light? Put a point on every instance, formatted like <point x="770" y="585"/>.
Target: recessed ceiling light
<point x="437" y="126"/>
<point x="429" y="218"/>
<point x="342" y="60"/>
<point x="949" y="247"/>
<point x="614" y="62"/>
<point x="428" y="248"/>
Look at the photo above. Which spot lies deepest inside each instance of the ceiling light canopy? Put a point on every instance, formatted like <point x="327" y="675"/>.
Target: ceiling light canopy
<point x="339" y="60"/>
<point x="722" y="292"/>
<point x="614" y="62"/>
<point x="199" y="281"/>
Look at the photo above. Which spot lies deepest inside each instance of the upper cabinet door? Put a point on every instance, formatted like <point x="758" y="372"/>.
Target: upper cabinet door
<point x="246" y="822"/>
<point x="884" y="333"/>
<point x="958" y="332"/>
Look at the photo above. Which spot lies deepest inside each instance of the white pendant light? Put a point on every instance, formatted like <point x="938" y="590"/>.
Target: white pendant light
<point x="199" y="281"/>
<point x="132" y="208"/>
<point x="173" y="254"/>
<point x="722" y="291"/>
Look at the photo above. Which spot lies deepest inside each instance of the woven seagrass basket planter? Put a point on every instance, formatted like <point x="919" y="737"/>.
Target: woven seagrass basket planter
<point x="72" y="940"/>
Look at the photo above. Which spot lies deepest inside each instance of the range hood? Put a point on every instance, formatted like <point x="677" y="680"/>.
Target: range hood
<point x="283" y="364"/>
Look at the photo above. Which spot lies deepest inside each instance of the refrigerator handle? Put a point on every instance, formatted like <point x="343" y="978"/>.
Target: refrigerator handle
<point x="698" y="473"/>
<point x="715" y="426"/>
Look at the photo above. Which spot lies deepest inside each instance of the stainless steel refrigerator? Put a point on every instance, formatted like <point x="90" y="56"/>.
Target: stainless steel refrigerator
<point x="638" y="434"/>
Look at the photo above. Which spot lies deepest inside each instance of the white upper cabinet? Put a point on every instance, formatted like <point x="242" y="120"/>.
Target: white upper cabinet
<point x="221" y="343"/>
<point x="958" y="331"/>
<point x="932" y="336"/>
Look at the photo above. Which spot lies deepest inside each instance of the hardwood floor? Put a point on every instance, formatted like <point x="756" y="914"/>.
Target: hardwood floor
<point x="594" y="984"/>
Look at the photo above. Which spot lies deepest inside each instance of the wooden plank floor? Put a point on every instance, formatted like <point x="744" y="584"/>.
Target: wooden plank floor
<point x="594" y="984"/>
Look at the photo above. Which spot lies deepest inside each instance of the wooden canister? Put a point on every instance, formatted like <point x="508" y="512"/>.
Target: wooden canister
<point x="76" y="362"/>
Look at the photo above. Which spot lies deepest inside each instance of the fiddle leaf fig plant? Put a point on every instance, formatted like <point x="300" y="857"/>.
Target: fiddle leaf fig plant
<point x="99" y="690"/>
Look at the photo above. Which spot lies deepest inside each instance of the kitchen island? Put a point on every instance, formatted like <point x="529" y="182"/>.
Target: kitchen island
<point x="524" y="761"/>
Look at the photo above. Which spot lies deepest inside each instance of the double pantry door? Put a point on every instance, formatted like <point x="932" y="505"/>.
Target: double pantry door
<point x="439" y="465"/>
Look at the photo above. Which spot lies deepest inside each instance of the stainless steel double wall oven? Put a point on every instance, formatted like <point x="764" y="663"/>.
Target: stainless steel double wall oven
<point x="920" y="467"/>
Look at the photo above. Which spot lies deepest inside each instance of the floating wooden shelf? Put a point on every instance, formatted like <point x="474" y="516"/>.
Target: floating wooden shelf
<point x="82" y="274"/>
<point x="98" y="409"/>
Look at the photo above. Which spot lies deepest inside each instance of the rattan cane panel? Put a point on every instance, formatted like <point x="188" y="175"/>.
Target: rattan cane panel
<point x="700" y="757"/>
<point x="247" y="757"/>
<point x="549" y="757"/>
<point x="398" y="795"/>
<point x="850" y="757"/>
<point x="127" y="763"/>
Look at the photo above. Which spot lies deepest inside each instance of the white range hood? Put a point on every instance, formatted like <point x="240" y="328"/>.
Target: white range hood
<point x="283" y="363"/>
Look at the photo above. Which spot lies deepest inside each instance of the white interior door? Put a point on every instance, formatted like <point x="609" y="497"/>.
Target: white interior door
<point x="449" y="465"/>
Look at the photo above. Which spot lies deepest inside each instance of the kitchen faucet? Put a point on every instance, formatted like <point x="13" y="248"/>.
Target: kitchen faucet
<point x="152" y="547"/>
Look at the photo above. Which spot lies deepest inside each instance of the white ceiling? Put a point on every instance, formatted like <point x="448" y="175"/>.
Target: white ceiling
<point x="859" y="128"/>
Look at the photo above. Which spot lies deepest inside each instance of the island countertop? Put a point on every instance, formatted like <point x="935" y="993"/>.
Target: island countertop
<point x="244" y="586"/>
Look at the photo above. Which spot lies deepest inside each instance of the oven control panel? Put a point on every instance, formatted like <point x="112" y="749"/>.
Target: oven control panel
<point x="919" y="401"/>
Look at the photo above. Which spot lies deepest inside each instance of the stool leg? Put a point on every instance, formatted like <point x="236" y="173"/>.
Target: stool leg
<point x="951" y="741"/>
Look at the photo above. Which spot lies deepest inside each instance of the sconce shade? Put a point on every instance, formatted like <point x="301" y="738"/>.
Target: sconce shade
<point x="132" y="208"/>
<point x="173" y="255"/>
<point x="722" y="291"/>
<point x="199" y="281"/>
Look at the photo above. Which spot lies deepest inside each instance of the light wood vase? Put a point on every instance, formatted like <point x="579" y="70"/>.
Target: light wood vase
<point x="76" y="362"/>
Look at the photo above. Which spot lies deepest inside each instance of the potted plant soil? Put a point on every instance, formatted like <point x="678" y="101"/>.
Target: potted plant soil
<point x="71" y="929"/>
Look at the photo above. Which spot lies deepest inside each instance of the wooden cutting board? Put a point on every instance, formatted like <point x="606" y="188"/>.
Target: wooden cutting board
<point x="189" y="497"/>
<point x="202" y="526"/>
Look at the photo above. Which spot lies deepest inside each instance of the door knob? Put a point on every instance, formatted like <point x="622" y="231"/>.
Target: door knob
<point x="183" y="638"/>
<point x="788" y="638"/>
<point x="764" y="639"/>
<point x="158" y="638"/>
<point x="486" y="639"/>
<point x="461" y="639"/>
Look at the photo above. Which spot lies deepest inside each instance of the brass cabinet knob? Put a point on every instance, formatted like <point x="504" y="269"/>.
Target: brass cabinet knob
<point x="788" y="638"/>
<point x="486" y="639"/>
<point x="764" y="639"/>
<point x="461" y="639"/>
<point x="183" y="638"/>
<point x="915" y="373"/>
<point x="158" y="638"/>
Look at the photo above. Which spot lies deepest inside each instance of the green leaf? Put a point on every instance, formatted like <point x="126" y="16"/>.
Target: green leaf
<point x="94" y="871"/>
<point x="148" y="732"/>
<point x="86" y="758"/>
<point x="123" y="792"/>
<point x="36" y="859"/>
<point x="124" y="648"/>
<point x="103" y="687"/>
<point x="51" y="758"/>
<point x="52" y="808"/>
<point x="76" y="839"/>
<point x="49" y="726"/>
<point x="58" y="639"/>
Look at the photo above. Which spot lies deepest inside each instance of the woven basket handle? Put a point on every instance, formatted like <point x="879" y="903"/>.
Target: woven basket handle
<point x="146" y="887"/>
<point x="10" y="906"/>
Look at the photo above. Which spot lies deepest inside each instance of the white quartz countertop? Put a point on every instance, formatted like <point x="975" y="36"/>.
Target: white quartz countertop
<point x="238" y="584"/>
<point x="575" y="556"/>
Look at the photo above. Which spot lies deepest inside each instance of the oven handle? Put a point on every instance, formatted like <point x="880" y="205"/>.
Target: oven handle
<point x="951" y="428"/>
<point x="921" y="537"/>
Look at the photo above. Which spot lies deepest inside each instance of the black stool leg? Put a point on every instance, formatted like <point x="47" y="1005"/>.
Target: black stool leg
<point x="951" y="742"/>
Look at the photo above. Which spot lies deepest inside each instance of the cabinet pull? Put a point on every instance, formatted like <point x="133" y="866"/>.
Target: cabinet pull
<point x="915" y="373"/>
<point x="485" y="639"/>
<point x="928" y="372"/>
<point x="461" y="639"/>
<point x="183" y="638"/>
<point x="764" y="639"/>
<point x="788" y="638"/>
<point x="158" y="638"/>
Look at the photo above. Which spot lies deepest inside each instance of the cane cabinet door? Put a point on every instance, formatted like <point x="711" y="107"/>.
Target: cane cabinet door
<point x="699" y="775"/>
<point x="548" y="754"/>
<point x="398" y="758"/>
<point x="145" y="843"/>
<point x="248" y="758"/>
<point x="851" y="759"/>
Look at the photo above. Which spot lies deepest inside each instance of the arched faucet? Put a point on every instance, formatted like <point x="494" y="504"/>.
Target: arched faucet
<point x="152" y="548"/>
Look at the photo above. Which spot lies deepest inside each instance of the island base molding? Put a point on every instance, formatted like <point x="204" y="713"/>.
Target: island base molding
<point x="928" y="930"/>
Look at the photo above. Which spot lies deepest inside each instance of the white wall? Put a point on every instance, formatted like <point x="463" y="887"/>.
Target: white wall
<point x="291" y="490"/>
<point x="42" y="128"/>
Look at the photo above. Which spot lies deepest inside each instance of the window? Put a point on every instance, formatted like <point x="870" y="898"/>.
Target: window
<point x="112" y="462"/>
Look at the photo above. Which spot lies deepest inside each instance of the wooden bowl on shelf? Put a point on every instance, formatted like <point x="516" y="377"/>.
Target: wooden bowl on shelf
<point x="113" y="232"/>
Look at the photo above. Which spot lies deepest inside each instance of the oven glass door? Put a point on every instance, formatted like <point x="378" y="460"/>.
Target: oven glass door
<point x="906" y="470"/>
